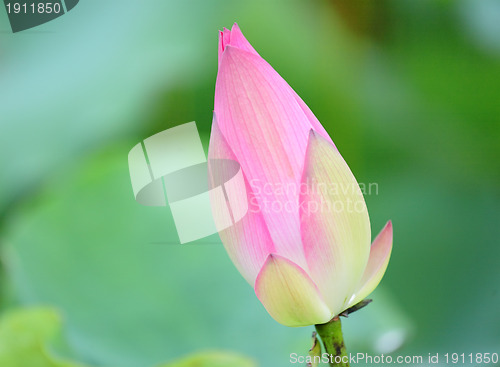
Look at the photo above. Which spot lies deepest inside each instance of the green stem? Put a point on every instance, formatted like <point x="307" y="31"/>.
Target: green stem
<point x="333" y="340"/>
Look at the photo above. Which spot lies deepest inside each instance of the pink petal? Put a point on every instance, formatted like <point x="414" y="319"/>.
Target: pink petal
<point x="380" y="254"/>
<point x="334" y="222"/>
<point x="247" y="242"/>
<point x="315" y="124"/>
<point x="224" y="37"/>
<point x="289" y="295"/>
<point x="267" y="130"/>
<point x="235" y="38"/>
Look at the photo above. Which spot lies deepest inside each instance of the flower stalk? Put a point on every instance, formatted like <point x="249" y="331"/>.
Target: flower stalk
<point x="333" y="341"/>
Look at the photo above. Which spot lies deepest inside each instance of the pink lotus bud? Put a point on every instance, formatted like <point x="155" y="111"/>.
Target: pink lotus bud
<point x="304" y="244"/>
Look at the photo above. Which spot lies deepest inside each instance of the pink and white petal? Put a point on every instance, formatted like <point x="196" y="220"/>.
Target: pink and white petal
<point x="247" y="241"/>
<point x="380" y="254"/>
<point x="334" y="223"/>
<point x="289" y="294"/>
<point x="262" y="121"/>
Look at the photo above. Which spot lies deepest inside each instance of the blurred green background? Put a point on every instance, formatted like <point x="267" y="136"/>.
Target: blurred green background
<point x="409" y="92"/>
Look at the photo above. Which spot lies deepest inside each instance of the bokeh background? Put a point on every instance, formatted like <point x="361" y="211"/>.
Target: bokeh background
<point x="408" y="90"/>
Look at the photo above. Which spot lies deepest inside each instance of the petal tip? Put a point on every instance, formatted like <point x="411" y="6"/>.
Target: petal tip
<point x="271" y="258"/>
<point x="388" y="228"/>
<point x="312" y="134"/>
<point x="315" y="137"/>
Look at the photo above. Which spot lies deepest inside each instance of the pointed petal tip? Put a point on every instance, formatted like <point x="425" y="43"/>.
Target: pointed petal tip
<point x="234" y="55"/>
<point x="227" y="53"/>
<point x="275" y="258"/>
<point x="312" y="134"/>
<point x="380" y="253"/>
<point x="271" y="258"/>
<point x="383" y="241"/>
<point x="387" y="228"/>
<point x="315" y="137"/>
<point x="234" y="38"/>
